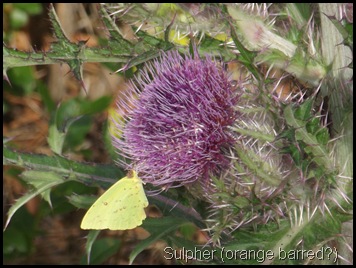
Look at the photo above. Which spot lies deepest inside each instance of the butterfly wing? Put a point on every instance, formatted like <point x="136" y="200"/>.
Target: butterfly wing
<point x="121" y="207"/>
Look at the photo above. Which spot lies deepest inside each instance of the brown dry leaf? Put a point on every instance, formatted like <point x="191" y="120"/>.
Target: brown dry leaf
<point x="29" y="124"/>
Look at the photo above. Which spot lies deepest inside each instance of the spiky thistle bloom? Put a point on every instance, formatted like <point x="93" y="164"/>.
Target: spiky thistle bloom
<point x="177" y="130"/>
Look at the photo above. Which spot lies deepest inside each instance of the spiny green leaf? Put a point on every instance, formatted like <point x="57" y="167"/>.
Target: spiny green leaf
<point x="241" y="202"/>
<point x="140" y="59"/>
<point x="255" y="164"/>
<point x="103" y="249"/>
<point x="158" y="228"/>
<point x="288" y="134"/>
<point x="300" y="12"/>
<point x="57" y="28"/>
<point x="345" y="30"/>
<point x="149" y="47"/>
<point x="246" y="57"/>
<point x="40" y="179"/>
<point x="282" y="240"/>
<point x="296" y="154"/>
<point x="153" y="42"/>
<point x="41" y="185"/>
<point x="256" y="242"/>
<point x="65" y="47"/>
<point x="255" y="134"/>
<point x="204" y="253"/>
<point x="314" y="148"/>
<point x="91" y="237"/>
<point x="290" y="118"/>
<point x="313" y="125"/>
<point x="303" y="112"/>
<point x="321" y="228"/>
<point x="116" y="40"/>
<point x="311" y="138"/>
<point x="214" y="47"/>
<point x="322" y="136"/>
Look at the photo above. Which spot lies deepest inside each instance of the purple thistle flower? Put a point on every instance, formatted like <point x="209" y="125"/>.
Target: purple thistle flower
<point x="176" y="131"/>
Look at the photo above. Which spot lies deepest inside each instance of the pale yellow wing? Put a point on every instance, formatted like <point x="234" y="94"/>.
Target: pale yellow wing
<point x="121" y="207"/>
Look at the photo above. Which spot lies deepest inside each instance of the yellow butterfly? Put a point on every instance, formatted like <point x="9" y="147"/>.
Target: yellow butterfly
<point x="121" y="207"/>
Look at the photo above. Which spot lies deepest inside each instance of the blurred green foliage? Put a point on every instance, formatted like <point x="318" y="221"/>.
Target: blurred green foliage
<point x="21" y="12"/>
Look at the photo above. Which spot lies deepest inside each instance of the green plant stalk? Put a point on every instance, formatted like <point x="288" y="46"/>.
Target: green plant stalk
<point x="118" y="49"/>
<point x="16" y="58"/>
<point x="88" y="173"/>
